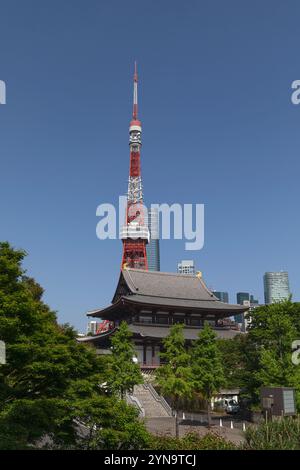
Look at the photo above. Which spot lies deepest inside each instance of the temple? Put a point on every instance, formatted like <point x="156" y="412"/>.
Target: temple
<point x="151" y="301"/>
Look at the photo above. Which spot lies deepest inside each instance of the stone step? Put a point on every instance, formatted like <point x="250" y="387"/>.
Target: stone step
<point x="152" y="407"/>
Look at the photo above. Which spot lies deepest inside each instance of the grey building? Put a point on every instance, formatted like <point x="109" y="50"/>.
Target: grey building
<point x="152" y="248"/>
<point x="186" y="266"/>
<point x="223" y="296"/>
<point x="242" y="298"/>
<point x="276" y="286"/>
<point x="253" y="301"/>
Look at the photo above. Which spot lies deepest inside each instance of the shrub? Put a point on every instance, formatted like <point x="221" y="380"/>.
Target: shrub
<point x="192" y="441"/>
<point x="283" y="434"/>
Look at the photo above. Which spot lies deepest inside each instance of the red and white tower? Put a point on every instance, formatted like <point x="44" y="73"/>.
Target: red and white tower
<point x="135" y="233"/>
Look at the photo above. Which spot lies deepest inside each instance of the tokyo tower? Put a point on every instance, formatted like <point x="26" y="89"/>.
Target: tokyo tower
<point x="135" y="233"/>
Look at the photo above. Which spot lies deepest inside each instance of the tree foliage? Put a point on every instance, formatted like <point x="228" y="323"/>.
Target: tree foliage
<point x="124" y="372"/>
<point x="263" y="357"/>
<point x="174" y="377"/>
<point x="50" y="380"/>
<point x="207" y="368"/>
<point x="192" y="441"/>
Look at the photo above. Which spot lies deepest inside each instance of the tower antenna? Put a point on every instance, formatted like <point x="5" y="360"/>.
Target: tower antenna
<point x="135" y="93"/>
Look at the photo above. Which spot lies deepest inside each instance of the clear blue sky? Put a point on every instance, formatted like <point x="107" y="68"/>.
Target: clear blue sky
<point x="218" y="128"/>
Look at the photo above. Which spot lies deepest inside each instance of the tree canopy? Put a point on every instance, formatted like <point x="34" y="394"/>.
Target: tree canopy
<point x="263" y="356"/>
<point x="50" y="386"/>
<point x="174" y="377"/>
<point x="124" y="371"/>
<point x="207" y="368"/>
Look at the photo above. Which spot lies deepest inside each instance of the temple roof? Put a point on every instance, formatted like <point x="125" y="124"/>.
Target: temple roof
<point x="159" y="289"/>
<point x="151" y="331"/>
<point x="160" y="332"/>
<point x="167" y="285"/>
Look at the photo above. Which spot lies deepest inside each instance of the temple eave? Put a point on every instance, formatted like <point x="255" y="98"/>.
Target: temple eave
<point x="157" y="332"/>
<point x="221" y="309"/>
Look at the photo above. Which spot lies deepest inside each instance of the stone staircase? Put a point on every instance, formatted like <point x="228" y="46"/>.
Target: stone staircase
<point x="152" y="404"/>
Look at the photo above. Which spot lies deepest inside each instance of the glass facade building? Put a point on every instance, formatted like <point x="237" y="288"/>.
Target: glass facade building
<point x="276" y="286"/>
<point x="222" y="296"/>
<point x="242" y="298"/>
<point x="153" y="254"/>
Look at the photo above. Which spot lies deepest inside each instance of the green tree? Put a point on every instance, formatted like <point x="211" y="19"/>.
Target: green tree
<point x="273" y="329"/>
<point x="207" y="368"/>
<point x="174" y="377"/>
<point x="263" y="355"/>
<point x="108" y="423"/>
<point x="49" y="379"/>
<point x="124" y="372"/>
<point x="240" y="363"/>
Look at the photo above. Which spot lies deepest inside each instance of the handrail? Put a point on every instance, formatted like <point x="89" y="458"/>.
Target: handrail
<point x="136" y="402"/>
<point x="159" y="398"/>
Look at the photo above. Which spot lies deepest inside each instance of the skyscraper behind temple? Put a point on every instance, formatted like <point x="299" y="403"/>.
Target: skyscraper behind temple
<point x="222" y="296"/>
<point x="276" y="286"/>
<point x="153" y="254"/>
<point x="241" y="296"/>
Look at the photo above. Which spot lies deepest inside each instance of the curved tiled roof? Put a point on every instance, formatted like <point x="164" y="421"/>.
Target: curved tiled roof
<point x="178" y="291"/>
<point x="208" y="305"/>
<point x="169" y="285"/>
<point x="188" y="333"/>
<point x="160" y="332"/>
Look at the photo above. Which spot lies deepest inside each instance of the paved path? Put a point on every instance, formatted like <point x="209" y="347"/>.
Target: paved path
<point x="166" y="426"/>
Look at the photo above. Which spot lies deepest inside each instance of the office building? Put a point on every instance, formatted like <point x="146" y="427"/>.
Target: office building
<point x="276" y="286"/>
<point x="223" y="296"/>
<point x="153" y="254"/>
<point x="242" y="298"/>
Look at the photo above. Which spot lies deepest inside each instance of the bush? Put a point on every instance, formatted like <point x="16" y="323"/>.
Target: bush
<point x="283" y="434"/>
<point x="192" y="441"/>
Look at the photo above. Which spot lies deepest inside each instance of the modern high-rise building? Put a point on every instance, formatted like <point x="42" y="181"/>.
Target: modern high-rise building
<point x="276" y="286"/>
<point x="242" y="298"/>
<point x="153" y="255"/>
<point x="223" y="296"/>
<point x="253" y="301"/>
<point x="186" y="266"/>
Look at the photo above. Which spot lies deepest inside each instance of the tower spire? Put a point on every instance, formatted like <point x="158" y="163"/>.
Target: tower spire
<point x="135" y="93"/>
<point x="135" y="233"/>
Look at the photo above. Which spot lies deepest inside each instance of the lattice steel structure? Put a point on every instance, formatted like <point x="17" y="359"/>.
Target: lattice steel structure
<point x="135" y="233"/>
